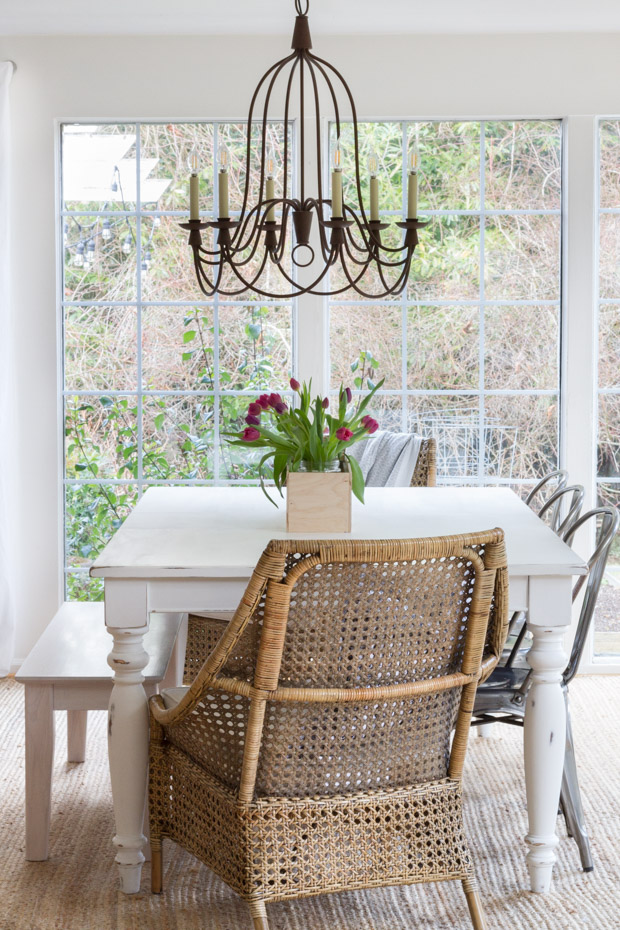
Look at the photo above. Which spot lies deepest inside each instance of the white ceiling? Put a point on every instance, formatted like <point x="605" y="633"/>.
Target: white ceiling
<point x="186" y="17"/>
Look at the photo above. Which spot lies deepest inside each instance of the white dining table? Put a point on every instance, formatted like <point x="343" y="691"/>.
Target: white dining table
<point x="186" y="549"/>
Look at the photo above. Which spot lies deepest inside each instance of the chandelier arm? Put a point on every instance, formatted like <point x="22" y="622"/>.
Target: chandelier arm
<point x="309" y="288"/>
<point x="317" y="206"/>
<point x="277" y="67"/>
<point x="318" y="62"/>
<point x="319" y="201"/>
<point x="322" y="61"/>
<point x="389" y="290"/>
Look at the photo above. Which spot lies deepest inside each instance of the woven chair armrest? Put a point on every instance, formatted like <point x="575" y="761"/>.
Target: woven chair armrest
<point x="174" y="715"/>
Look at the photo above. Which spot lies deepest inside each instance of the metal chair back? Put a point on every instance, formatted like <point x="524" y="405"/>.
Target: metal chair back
<point x="564" y="507"/>
<point x="562" y="480"/>
<point x="607" y="529"/>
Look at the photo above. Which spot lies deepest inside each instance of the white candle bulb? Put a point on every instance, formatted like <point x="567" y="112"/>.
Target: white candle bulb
<point x="412" y="184"/>
<point x="337" y="184"/>
<point x="373" y="165"/>
<point x="222" y="179"/>
<point x="193" y="163"/>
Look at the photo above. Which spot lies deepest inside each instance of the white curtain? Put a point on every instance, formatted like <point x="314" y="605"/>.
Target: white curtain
<point x="8" y="470"/>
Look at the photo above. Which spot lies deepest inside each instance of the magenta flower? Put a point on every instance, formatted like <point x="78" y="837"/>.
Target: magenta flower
<point x="250" y="434"/>
<point x="365" y="419"/>
<point x="349" y="394"/>
<point x="344" y="434"/>
<point x="280" y="407"/>
<point x="255" y="409"/>
<point x="263" y="401"/>
<point x="252" y="421"/>
<point x="371" y="425"/>
<point x="274" y="399"/>
<point x="295" y="385"/>
<point x="325" y="402"/>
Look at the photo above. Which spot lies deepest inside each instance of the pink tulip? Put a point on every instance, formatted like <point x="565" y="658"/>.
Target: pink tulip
<point x="295" y="385"/>
<point x="349" y="394"/>
<point x="280" y="407"/>
<point x="252" y="421"/>
<point x="255" y="409"/>
<point x="325" y="402"/>
<point x="274" y="399"/>
<point x="250" y="434"/>
<point x="263" y="401"/>
<point x="344" y="434"/>
<point x="365" y="419"/>
<point x="371" y="425"/>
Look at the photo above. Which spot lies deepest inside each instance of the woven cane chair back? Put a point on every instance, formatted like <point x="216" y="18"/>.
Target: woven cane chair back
<point x="386" y="622"/>
<point x="425" y="471"/>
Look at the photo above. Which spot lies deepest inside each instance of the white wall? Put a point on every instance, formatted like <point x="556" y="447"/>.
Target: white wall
<point x="190" y="77"/>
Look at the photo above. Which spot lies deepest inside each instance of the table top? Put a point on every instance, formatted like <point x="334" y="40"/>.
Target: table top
<point x="220" y="532"/>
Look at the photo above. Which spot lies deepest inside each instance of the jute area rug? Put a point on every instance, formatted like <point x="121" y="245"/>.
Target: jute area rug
<point x="76" y="889"/>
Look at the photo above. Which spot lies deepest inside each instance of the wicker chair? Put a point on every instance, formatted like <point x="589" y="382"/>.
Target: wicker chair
<point x="425" y="471"/>
<point x="312" y="751"/>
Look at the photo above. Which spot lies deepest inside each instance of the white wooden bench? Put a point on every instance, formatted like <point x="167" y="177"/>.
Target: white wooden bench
<point x="67" y="670"/>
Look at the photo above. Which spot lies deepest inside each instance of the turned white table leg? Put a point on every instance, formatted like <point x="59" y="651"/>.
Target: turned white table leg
<point x="544" y="742"/>
<point x="128" y="751"/>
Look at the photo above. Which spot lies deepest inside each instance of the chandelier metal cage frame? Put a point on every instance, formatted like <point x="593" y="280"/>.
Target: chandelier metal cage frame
<point x="352" y="239"/>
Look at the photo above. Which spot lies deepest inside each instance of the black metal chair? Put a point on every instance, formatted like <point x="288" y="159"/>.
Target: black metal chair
<point x="502" y="698"/>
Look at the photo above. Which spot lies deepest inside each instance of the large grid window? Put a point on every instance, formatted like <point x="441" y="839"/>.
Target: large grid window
<point x="153" y="376"/>
<point x="607" y="620"/>
<point x="470" y="352"/>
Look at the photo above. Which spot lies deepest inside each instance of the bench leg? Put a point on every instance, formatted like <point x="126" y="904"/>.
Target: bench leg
<point x="77" y="721"/>
<point x="39" y="763"/>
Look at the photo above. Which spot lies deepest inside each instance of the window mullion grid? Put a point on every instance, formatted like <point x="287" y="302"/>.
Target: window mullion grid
<point x="139" y="384"/>
<point x="481" y="312"/>
<point x="216" y="327"/>
<point x="405" y="422"/>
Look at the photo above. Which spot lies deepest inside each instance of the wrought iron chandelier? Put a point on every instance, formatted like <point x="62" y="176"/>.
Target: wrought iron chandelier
<point x="347" y="237"/>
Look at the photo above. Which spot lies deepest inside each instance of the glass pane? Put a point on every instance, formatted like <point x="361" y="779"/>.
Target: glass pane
<point x="170" y="274"/>
<point x="178" y="437"/>
<point x="442" y="347"/>
<point x="164" y="152"/>
<point x="99" y="258"/>
<point x="386" y="141"/>
<point x="93" y="513"/>
<point x="79" y="586"/>
<point x="610" y="163"/>
<point x="609" y="345"/>
<point x="446" y="263"/>
<point x="100" y="348"/>
<point x="609" y="435"/>
<point x="376" y="331"/>
<point x="101" y="437"/>
<point x="454" y="422"/>
<point x="521" y="436"/>
<point x="238" y="462"/>
<point x="387" y="410"/>
<point x="449" y="174"/>
<point x="178" y="348"/>
<point x="607" y="614"/>
<point x="99" y="167"/>
<point x="522" y="257"/>
<point x="255" y="347"/>
<point x="513" y="362"/>
<point x="609" y="266"/>
<point x="523" y="165"/>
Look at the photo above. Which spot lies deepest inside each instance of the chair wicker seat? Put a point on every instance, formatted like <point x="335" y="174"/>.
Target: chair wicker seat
<point x="312" y="752"/>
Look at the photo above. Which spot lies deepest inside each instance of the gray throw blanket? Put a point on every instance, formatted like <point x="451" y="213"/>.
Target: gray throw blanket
<point x="387" y="460"/>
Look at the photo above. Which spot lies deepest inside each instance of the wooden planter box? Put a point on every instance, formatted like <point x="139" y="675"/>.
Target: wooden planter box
<point x="318" y="502"/>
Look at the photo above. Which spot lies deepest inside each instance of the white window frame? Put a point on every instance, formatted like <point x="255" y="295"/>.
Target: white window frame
<point x="139" y="393"/>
